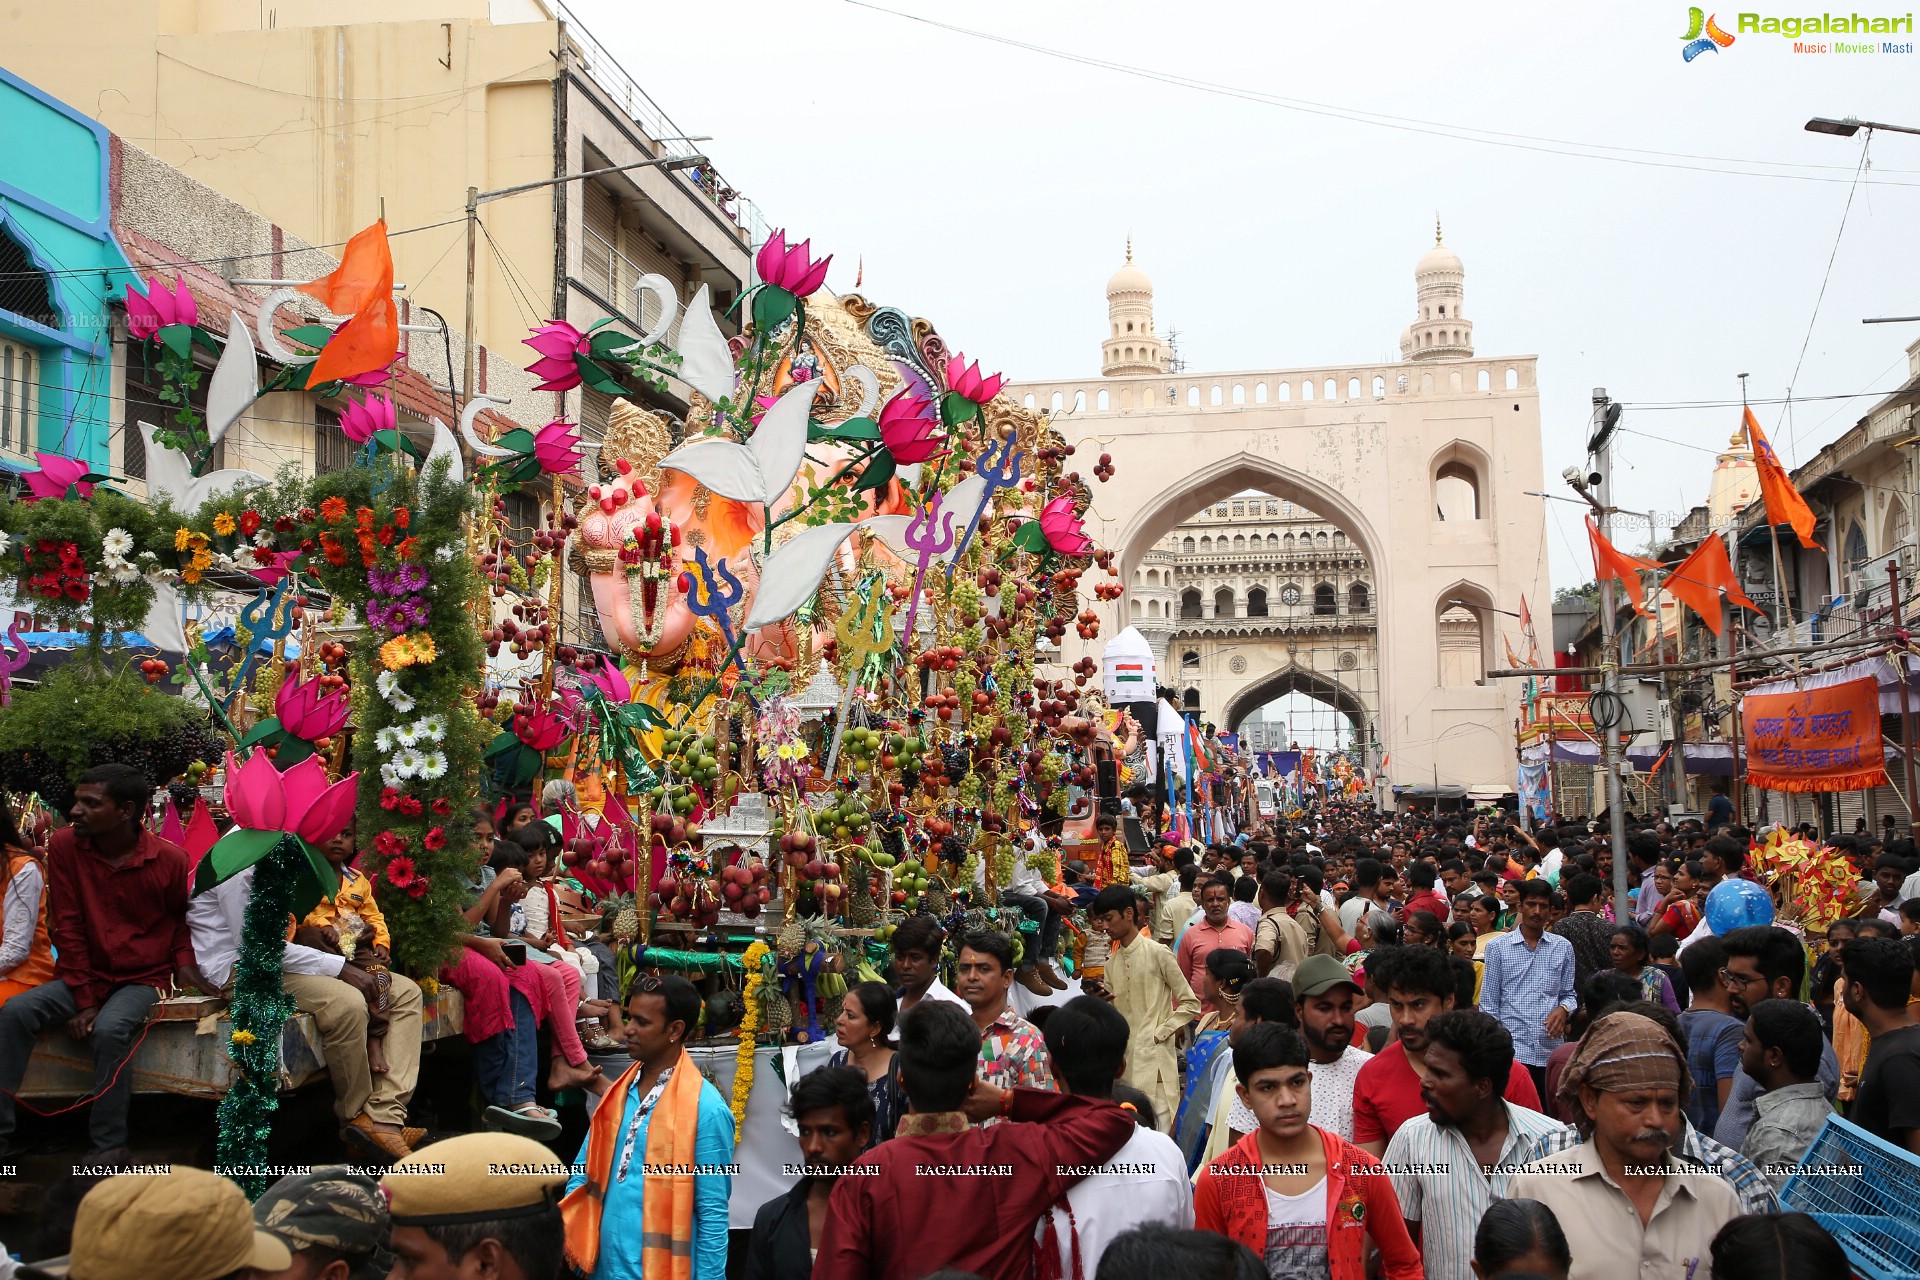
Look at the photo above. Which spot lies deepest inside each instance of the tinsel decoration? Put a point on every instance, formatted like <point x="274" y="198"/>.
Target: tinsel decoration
<point x="259" y="1011"/>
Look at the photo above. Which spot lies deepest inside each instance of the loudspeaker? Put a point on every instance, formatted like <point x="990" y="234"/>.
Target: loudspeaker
<point x="1109" y="775"/>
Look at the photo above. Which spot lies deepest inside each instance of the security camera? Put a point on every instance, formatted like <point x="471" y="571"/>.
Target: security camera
<point x="1573" y="476"/>
<point x="1593" y="481"/>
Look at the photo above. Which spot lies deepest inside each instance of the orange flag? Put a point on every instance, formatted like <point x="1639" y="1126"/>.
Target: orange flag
<point x="1784" y="503"/>
<point x="361" y="288"/>
<point x="1610" y="561"/>
<point x="1698" y="581"/>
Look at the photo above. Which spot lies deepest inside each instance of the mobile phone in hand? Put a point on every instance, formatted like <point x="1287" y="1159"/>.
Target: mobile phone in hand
<point x="515" y="949"/>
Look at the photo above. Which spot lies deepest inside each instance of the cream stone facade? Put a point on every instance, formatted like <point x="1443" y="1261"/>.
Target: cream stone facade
<point x="1425" y="465"/>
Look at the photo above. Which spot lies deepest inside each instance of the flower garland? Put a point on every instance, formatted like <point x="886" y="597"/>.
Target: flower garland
<point x="757" y="963"/>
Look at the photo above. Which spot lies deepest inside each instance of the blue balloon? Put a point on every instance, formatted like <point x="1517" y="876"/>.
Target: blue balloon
<point x="1735" y="904"/>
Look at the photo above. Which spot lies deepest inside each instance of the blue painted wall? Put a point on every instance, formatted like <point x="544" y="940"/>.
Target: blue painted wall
<point x="55" y="203"/>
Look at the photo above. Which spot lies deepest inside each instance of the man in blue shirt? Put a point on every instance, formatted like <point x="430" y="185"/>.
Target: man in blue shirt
<point x="1529" y="984"/>
<point x="619" y="1169"/>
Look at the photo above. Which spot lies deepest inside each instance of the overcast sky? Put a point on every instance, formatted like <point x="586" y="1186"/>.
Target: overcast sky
<point x="990" y="189"/>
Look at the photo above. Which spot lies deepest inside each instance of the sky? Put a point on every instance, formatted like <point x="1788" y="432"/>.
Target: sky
<point x="1637" y="221"/>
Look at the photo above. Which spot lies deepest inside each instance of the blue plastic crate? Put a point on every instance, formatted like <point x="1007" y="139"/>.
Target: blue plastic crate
<point x="1862" y="1190"/>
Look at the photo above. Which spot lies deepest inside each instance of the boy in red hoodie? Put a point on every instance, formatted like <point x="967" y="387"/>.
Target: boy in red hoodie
<point x="1304" y="1199"/>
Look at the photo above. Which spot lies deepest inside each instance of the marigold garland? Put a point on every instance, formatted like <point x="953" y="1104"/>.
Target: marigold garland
<point x="756" y="964"/>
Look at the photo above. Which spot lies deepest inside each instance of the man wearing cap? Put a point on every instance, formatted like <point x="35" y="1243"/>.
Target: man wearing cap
<point x="1324" y="994"/>
<point x="489" y="1197"/>
<point x="334" y="1219"/>
<point x="184" y="1225"/>
<point x="1627" y="1205"/>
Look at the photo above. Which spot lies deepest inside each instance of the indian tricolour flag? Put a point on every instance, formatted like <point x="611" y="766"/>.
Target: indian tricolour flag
<point x="1126" y="668"/>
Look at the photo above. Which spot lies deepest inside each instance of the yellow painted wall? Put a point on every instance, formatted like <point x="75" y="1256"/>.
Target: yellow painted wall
<point x="313" y="125"/>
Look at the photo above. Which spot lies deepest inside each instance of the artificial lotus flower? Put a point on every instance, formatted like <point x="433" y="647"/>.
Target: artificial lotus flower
<point x="541" y="730"/>
<point x="556" y="447"/>
<point x="611" y="681"/>
<point x="965" y="381"/>
<point x="359" y="421"/>
<point x="308" y="711"/>
<point x="299" y="802"/>
<point x="158" y="307"/>
<point x="56" y="475"/>
<point x="277" y="565"/>
<point x="1065" y="530"/>
<point x="791" y="268"/>
<point x="558" y="343"/>
<point x="909" y="429"/>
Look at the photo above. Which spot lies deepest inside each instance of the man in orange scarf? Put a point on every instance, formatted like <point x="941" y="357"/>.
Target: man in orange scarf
<point x="648" y="1197"/>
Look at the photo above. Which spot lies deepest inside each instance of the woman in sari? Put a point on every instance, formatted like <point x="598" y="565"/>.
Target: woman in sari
<point x="1208" y="1064"/>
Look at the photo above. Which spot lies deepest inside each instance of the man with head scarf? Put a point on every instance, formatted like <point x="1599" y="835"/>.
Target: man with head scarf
<point x="1628" y="1206"/>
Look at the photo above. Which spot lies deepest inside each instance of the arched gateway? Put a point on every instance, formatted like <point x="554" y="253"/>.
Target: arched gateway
<point x="1424" y="463"/>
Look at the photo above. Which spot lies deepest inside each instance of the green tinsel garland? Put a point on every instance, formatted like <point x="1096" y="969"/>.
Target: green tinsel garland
<point x="259" y="1011"/>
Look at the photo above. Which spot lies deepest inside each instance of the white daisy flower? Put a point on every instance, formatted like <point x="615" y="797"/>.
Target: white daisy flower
<point x="385" y="740"/>
<point x="433" y="728"/>
<point x="407" y="735"/>
<point x="124" y="573"/>
<point x="144" y="555"/>
<point x="116" y="543"/>
<point x="444" y="553"/>
<point x="408" y="763"/>
<point x="389" y="776"/>
<point x="388" y="683"/>
<point x="434" y="767"/>
<point x="401" y="702"/>
<point x="5" y="543"/>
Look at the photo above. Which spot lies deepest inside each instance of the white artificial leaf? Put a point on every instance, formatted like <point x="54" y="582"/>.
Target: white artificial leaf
<point x="791" y="575"/>
<point x="779" y="443"/>
<point x="891" y="530"/>
<point x="236" y="379"/>
<point x="169" y="475"/>
<point x="164" y="628"/>
<point x="728" y="469"/>
<point x="908" y="474"/>
<point x="706" y="362"/>
<point x="959" y="503"/>
<point x="473" y="410"/>
<point x="662" y="288"/>
<point x="445" y="446"/>
<point x="869" y="389"/>
<point x="270" y="343"/>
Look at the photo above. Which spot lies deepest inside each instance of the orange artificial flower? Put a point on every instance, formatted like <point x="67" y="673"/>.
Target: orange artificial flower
<point x="333" y="510"/>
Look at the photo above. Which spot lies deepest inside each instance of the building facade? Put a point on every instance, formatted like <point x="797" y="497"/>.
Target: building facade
<point x="1425" y="465"/>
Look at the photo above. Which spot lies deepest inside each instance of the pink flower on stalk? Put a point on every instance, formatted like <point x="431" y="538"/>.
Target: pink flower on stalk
<point x="276" y="568"/>
<point x="299" y="801"/>
<point x="558" y="343"/>
<point x="791" y="268"/>
<point x="1066" y="531"/>
<point x="158" y="307"/>
<point x="541" y="730"/>
<point x="964" y="380"/>
<point x="556" y="447"/>
<point x="611" y="681"/>
<point x="909" y="429"/>
<point x="308" y="711"/>
<point x="55" y="476"/>
<point x="359" y="421"/>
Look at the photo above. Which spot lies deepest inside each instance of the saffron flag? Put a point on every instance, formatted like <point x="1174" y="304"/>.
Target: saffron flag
<point x="1699" y="580"/>
<point x="1784" y="503"/>
<point x="1611" y="562"/>
<point x="360" y="288"/>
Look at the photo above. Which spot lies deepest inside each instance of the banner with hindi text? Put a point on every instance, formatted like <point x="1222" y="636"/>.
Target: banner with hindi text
<point x="1815" y="739"/>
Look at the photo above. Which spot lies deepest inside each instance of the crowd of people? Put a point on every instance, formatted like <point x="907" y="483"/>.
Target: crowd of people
<point x="1345" y="1044"/>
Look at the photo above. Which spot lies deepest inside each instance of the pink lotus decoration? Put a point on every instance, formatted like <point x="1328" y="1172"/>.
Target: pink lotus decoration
<point x="1066" y="531"/>
<point x="909" y="429"/>
<point x="556" y="447"/>
<point x="541" y="730"/>
<point x="307" y="711"/>
<point x="277" y="568"/>
<point x="611" y="681"/>
<point x="150" y="312"/>
<point x="298" y="802"/>
<point x="359" y="422"/>
<point x="558" y="343"/>
<point x="791" y="268"/>
<point x="56" y="475"/>
<point x="965" y="381"/>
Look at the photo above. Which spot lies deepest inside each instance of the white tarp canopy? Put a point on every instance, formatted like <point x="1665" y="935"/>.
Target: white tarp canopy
<point x="1126" y="669"/>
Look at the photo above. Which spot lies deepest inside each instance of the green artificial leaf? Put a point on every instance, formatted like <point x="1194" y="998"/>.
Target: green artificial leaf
<point x="520" y="440"/>
<point x="603" y="345"/>
<point x="877" y="472"/>
<point x="235" y="851"/>
<point x="1031" y="537"/>
<point x="851" y="429"/>
<point x="317" y="883"/>
<point x="399" y="443"/>
<point x="956" y="409"/>
<point x="292" y="751"/>
<point x="503" y="742"/>
<point x="311" y="336"/>
<point x="596" y="377"/>
<point x="177" y="338"/>
<point x="771" y="307"/>
<point x="202" y="337"/>
<point x="599" y="324"/>
<point x="262" y="734"/>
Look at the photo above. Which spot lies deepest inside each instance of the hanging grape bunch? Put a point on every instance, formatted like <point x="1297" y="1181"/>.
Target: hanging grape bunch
<point x="690" y="761"/>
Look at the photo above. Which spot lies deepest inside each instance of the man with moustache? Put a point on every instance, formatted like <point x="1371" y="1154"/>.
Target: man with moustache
<point x="834" y="1113"/>
<point x="1442" y="1162"/>
<point x="1627" y="1205"/>
<point x="1324" y="995"/>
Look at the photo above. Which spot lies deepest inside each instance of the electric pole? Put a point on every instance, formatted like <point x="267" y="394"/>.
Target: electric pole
<point x="1599" y="492"/>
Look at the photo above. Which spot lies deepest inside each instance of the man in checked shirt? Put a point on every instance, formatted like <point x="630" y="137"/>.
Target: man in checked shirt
<point x="1012" y="1050"/>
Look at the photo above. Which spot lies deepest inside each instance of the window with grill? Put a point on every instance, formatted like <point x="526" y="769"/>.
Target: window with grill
<point x="596" y="410"/>
<point x="523" y="517"/>
<point x="600" y="238"/>
<point x="24" y="288"/>
<point x="332" y="451"/>
<point x="18" y="396"/>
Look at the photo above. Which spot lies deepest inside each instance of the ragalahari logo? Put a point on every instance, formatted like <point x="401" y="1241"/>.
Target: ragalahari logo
<point x="1703" y="35"/>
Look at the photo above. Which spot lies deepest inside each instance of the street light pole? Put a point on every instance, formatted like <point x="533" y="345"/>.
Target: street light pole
<point x="1600" y="445"/>
<point x="477" y="197"/>
<point x="1849" y="126"/>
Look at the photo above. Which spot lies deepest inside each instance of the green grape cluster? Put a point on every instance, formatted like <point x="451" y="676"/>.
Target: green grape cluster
<point x="970" y="790"/>
<point x="965" y="594"/>
<point x="1003" y="864"/>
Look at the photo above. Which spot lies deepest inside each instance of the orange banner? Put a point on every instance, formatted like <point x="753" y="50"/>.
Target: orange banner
<point x="1816" y="739"/>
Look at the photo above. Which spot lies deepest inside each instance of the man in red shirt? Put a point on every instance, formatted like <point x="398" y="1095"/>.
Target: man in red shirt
<point x="1215" y="930"/>
<point x="946" y="1193"/>
<point x="117" y="914"/>
<point x="1422" y="876"/>
<point x="1386" y="1094"/>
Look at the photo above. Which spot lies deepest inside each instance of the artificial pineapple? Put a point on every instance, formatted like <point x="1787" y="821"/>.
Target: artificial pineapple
<point x="790" y="939"/>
